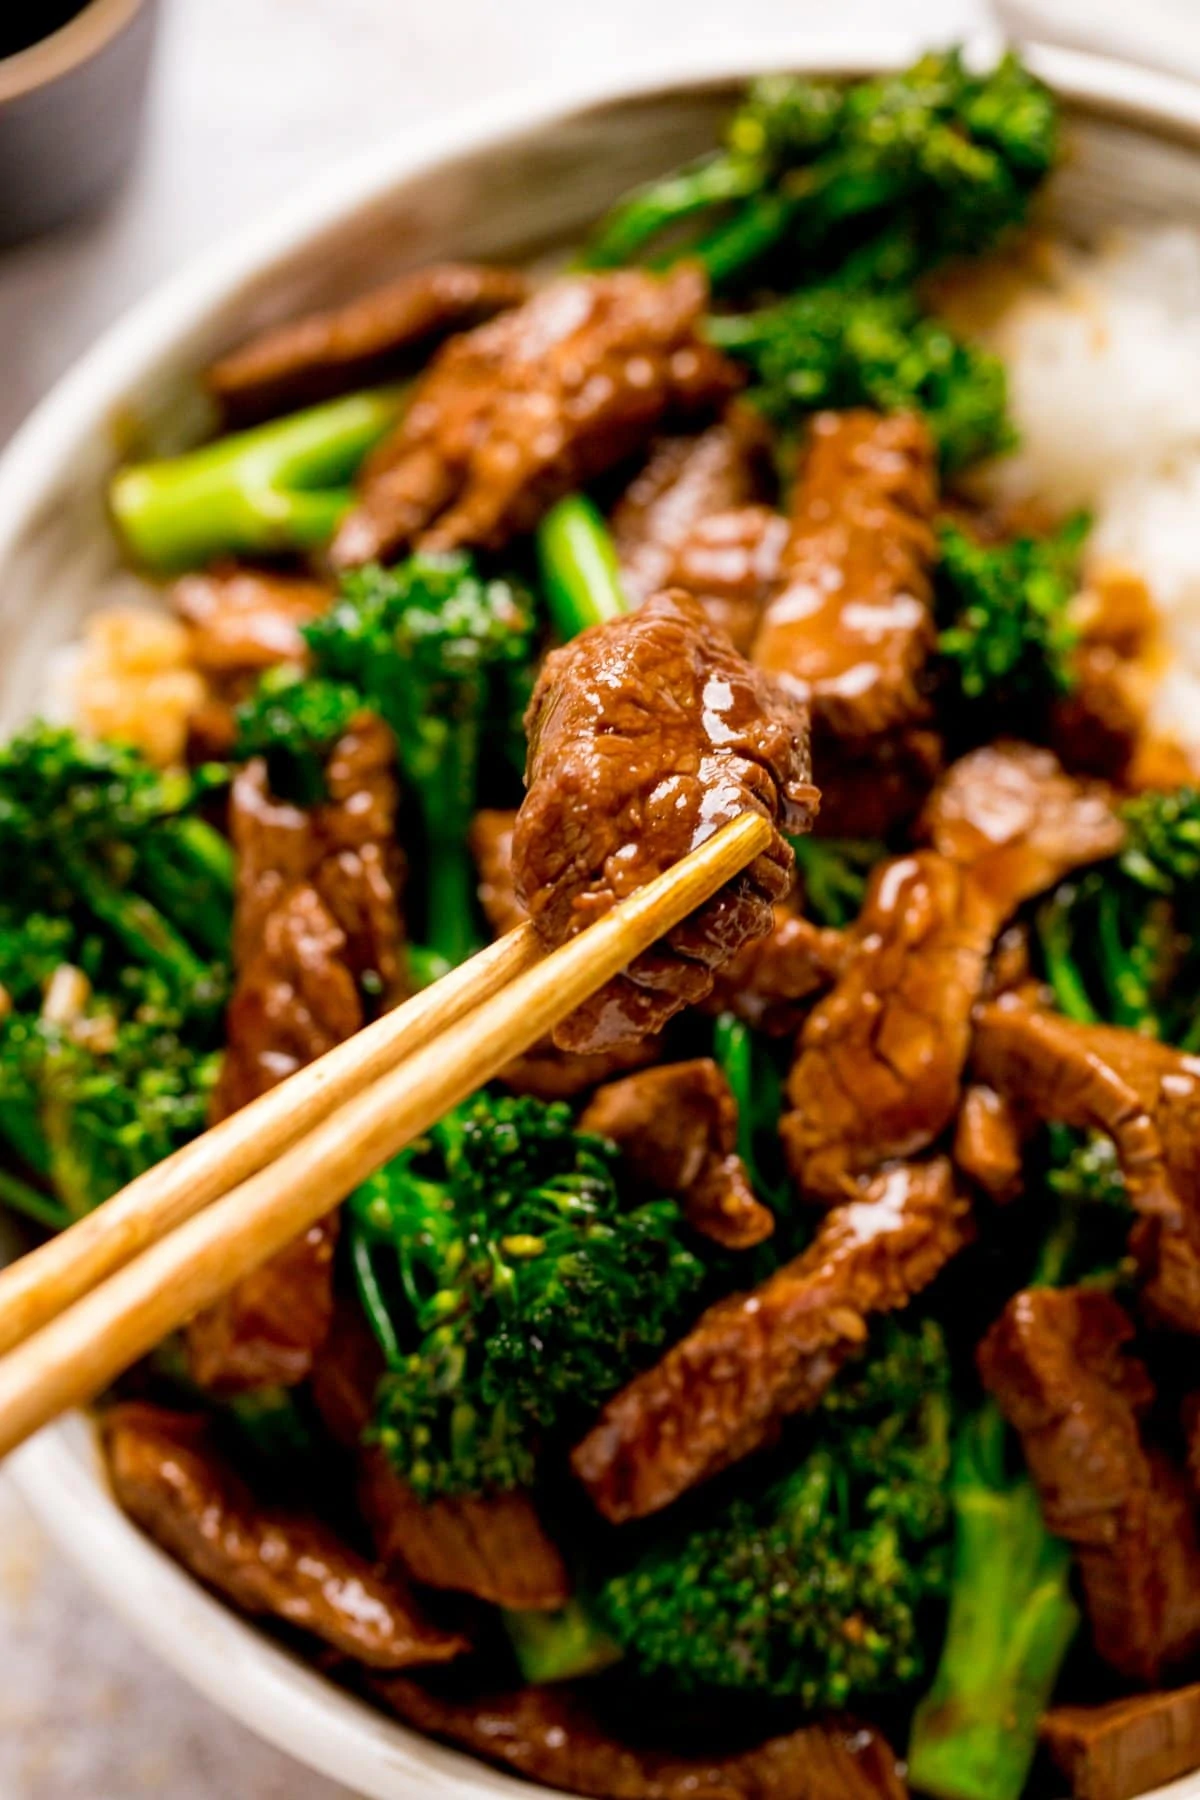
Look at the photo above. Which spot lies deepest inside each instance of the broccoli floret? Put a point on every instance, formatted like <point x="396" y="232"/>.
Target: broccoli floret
<point x="1008" y="634"/>
<point x="836" y="347"/>
<point x="116" y="899"/>
<point x="510" y="1288"/>
<point x="834" y="873"/>
<point x="283" y="486"/>
<point x="817" y="168"/>
<point x="1011" y="1623"/>
<point x="817" y="1588"/>
<point x="1117" y="942"/>
<point x="294" y="720"/>
<point x="577" y="561"/>
<point x="560" y="1646"/>
<point x="441" y="654"/>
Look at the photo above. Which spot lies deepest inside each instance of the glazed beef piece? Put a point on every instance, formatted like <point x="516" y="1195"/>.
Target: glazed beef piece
<point x="989" y="1142"/>
<point x="170" y="1479"/>
<point x="730" y="561"/>
<point x="364" y="341"/>
<point x="753" y="1359"/>
<point x="1097" y="726"/>
<point x="1127" y="1747"/>
<point x="772" y="983"/>
<point x="1145" y="1096"/>
<point x="880" y="1059"/>
<point x="491" y="1545"/>
<point x="317" y="913"/>
<point x="684" y="481"/>
<point x="676" y="1128"/>
<point x="544" y="1071"/>
<point x="646" y="735"/>
<point x="550" y="1735"/>
<point x="241" y="621"/>
<point x="1057" y="1363"/>
<point x="877" y="788"/>
<point x="520" y="411"/>
<point x="851" y="625"/>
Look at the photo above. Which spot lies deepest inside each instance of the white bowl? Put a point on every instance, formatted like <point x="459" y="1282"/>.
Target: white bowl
<point x="519" y="179"/>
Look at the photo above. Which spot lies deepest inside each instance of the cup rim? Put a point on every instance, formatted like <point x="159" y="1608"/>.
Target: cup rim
<point x="66" y="49"/>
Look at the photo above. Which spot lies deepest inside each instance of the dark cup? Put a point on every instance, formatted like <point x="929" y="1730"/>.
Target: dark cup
<point x="70" y="110"/>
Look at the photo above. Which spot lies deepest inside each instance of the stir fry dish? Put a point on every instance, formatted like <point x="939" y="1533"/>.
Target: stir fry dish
<point x="783" y="1383"/>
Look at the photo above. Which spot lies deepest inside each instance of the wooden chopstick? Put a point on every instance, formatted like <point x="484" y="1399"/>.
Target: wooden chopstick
<point x="37" y="1287"/>
<point x="74" y="1357"/>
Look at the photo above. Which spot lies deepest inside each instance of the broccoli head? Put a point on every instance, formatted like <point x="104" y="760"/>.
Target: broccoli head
<point x="294" y="720"/>
<point x="815" y="1589"/>
<point x="442" y="654"/>
<point x="511" y="1289"/>
<point x="838" y="346"/>
<point x="1008" y="634"/>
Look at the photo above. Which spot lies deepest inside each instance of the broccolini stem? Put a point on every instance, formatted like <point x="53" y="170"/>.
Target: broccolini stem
<point x="188" y="872"/>
<point x="450" y="890"/>
<point x="19" y="1197"/>
<point x="1011" y="1623"/>
<point x="733" y="1052"/>
<point x="712" y="181"/>
<point x="425" y="966"/>
<point x="371" y="1295"/>
<point x="139" y="925"/>
<point x="579" y="567"/>
<point x="281" y="486"/>
<point x="23" y="1135"/>
<point x="559" y="1646"/>
<point x="745" y="239"/>
<point x="1062" y="972"/>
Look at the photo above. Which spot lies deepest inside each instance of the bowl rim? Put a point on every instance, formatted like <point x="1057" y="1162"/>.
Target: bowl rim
<point x="275" y="1694"/>
<point x="48" y="58"/>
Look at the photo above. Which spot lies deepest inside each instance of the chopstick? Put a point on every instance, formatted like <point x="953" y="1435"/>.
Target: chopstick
<point x="71" y="1359"/>
<point x="39" y="1286"/>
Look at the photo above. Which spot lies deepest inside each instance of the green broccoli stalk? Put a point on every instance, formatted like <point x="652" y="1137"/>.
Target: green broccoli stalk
<point x="1117" y="942"/>
<point x="817" y="1588"/>
<point x="440" y="653"/>
<point x="293" y="721"/>
<point x="510" y="1289"/>
<point x="560" y="1646"/>
<point x="578" y="566"/>
<point x="282" y="486"/>
<point x="1008" y="636"/>
<point x="17" y="1196"/>
<point x="1011" y="1623"/>
<point x="816" y="168"/>
<point x="834" y="873"/>
<point x="837" y="346"/>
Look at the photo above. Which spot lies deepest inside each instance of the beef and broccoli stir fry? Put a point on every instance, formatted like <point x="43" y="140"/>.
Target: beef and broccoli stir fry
<point x="784" y="1382"/>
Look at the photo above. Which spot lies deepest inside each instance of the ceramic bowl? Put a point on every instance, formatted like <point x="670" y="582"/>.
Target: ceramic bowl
<point x="521" y="180"/>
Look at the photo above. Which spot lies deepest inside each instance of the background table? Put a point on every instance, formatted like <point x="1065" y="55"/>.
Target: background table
<point x="252" y="98"/>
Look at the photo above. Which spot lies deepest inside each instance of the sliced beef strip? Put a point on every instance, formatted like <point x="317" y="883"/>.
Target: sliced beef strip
<point x="772" y="983"/>
<point x="169" y="1477"/>
<point x="989" y="1142"/>
<point x="1057" y="1361"/>
<point x="730" y="561"/>
<point x="512" y="415"/>
<point x="880" y="1060"/>
<point x="851" y="625"/>
<point x="685" y="480"/>
<point x="645" y="736"/>
<point x="545" y="1072"/>
<point x="1096" y="728"/>
<point x="317" y="911"/>
<point x="242" y="621"/>
<point x="676" y="1128"/>
<point x="1145" y="1096"/>
<point x="364" y="341"/>
<point x="549" y="1735"/>
<point x="753" y="1359"/>
<point x="1127" y="1747"/>
<point x="493" y="1546"/>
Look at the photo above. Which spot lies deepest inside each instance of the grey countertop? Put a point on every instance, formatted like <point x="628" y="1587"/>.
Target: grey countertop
<point x="251" y="99"/>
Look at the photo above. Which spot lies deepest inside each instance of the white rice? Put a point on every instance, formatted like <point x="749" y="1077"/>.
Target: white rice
<point x="1104" y="368"/>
